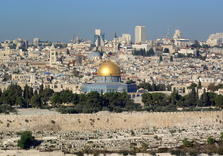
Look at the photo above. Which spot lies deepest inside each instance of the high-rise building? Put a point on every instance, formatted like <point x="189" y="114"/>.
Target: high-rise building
<point x="140" y="34"/>
<point x="98" y="38"/>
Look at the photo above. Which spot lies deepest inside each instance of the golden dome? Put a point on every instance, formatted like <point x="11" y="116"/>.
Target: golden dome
<point x="108" y="68"/>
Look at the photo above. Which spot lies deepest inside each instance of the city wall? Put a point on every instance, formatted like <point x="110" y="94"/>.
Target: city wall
<point x="109" y="121"/>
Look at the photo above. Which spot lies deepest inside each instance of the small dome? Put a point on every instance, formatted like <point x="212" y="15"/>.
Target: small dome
<point x="108" y="68"/>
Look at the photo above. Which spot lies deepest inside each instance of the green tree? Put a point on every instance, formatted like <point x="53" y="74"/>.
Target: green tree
<point x="175" y="97"/>
<point x="154" y="101"/>
<point x="20" y="101"/>
<point x="26" y="140"/>
<point x="41" y="89"/>
<point x="147" y="99"/>
<point x="159" y="98"/>
<point x="64" y="96"/>
<point x="204" y="100"/>
<point x="211" y="99"/>
<point x="119" y="102"/>
<point x="160" y="87"/>
<point x="219" y="101"/>
<point x="191" y="99"/>
<point x="93" y="103"/>
<point x="5" y="108"/>
<point x="56" y="99"/>
<point x="145" y="86"/>
<point x="36" y="101"/>
<point x="10" y="94"/>
<point x="153" y="87"/>
<point x="45" y="95"/>
<point x="27" y="94"/>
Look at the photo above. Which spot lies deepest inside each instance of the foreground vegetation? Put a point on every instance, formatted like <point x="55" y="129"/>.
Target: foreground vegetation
<point x="15" y="96"/>
<point x="27" y="141"/>
<point x="68" y="102"/>
<point x="190" y="102"/>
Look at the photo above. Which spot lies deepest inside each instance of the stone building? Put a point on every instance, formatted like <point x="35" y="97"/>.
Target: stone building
<point x="108" y="80"/>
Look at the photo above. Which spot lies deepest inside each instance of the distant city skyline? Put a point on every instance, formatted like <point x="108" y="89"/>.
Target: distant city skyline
<point x="58" y="20"/>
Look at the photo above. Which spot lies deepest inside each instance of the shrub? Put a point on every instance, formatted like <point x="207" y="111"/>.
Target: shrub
<point x="178" y="152"/>
<point x="187" y="143"/>
<point x="26" y="140"/>
<point x="5" y="108"/>
<point x="210" y="140"/>
<point x="221" y="136"/>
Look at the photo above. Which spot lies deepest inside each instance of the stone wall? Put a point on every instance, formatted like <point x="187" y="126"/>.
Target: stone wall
<point x="109" y="121"/>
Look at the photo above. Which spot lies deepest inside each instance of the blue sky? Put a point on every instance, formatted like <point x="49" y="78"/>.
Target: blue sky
<point x="61" y="19"/>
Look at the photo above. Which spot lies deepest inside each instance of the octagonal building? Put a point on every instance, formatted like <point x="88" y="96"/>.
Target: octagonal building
<point x="108" y="80"/>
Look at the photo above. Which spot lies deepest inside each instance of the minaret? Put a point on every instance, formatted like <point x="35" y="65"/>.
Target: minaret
<point x="53" y="55"/>
<point x="116" y="43"/>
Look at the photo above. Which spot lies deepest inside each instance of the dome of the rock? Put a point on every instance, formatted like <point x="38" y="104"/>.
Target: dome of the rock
<point x="108" y="68"/>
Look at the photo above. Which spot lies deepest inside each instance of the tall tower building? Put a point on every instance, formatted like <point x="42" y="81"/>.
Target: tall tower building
<point x="53" y="56"/>
<point x="98" y="38"/>
<point x="140" y="34"/>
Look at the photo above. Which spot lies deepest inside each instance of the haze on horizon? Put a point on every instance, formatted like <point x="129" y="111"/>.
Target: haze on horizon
<point x="60" y="20"/>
